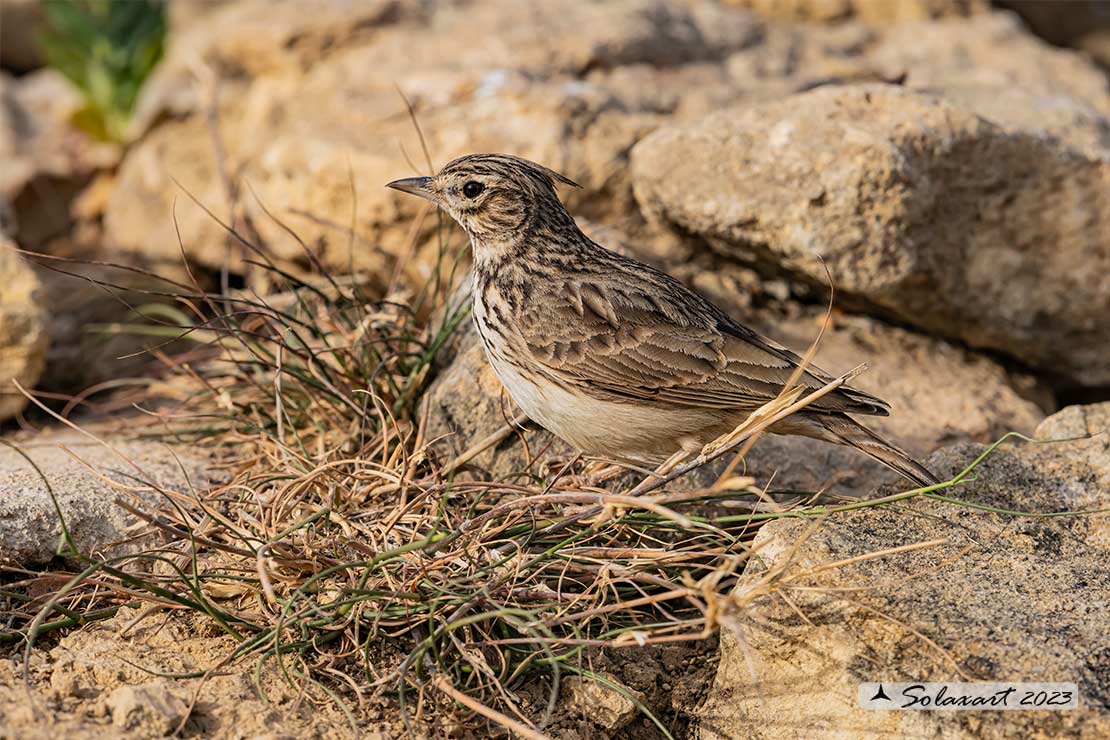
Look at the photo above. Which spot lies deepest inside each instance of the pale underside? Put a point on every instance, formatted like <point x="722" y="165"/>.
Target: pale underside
<point x="635" y="366"/>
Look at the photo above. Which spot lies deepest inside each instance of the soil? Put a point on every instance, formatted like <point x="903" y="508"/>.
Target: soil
<point x="104" y="680"/>
<point x="136" y="676"/>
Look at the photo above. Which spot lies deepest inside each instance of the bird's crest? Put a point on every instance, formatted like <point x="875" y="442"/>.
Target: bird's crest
<point x="507" y="165"/>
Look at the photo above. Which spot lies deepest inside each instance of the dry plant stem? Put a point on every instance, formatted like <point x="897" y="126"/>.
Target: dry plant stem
<point x="646" y="486"/>
<point x="873" y="555"/>
<point x="170" y="529"/>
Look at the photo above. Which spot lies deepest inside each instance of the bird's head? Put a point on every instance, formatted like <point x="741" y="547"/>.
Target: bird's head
<point x="496" y="198"/>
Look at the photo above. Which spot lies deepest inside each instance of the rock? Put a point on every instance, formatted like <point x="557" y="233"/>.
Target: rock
<point x="8" y="224"/>
<point x="1005" y="598"/>
<point x="21" y="22"/>
<point x="309" y="115"/>
<point x="1096" y="45"/>
<point x="239" y="40"/>
<point x="468" y="404"/>
<point x="922" y="210"/>
<point x="602" y="704"/>
<point x="990" y="66"/>
<point x="44" y="160"/>
<point x="321" y="107"/>
<point x="939" y="394"/>
<point x="1060" y="23"/>
<point x="30" y="533"/>
<point x="18" y="167"/>
<point x="991" y="51"/>
<point x="23" y="335"/>
<point x="868" y="11"/>
<point x="95" y="330"/>
<point x="1025" y="111"/>
<point x="1087" y="429"/>
<point x="153" y="709"/>
<point x="308" y="112"/>
<point x="318" y="206"/>
<point x="51" y="201"/>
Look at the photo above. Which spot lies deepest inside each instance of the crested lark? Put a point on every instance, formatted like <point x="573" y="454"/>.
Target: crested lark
<point x="609" y="354"/>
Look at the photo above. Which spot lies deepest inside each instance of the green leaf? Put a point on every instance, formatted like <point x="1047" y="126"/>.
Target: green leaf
<point x="107" y="50"/>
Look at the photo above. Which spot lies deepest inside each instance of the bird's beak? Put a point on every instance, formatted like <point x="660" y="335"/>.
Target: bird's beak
<point x="421" y="186"/>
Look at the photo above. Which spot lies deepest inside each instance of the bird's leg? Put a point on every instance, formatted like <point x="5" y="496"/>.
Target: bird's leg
<point x="600" y="471"/>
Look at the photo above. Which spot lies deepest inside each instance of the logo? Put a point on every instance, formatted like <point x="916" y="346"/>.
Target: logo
<point x="880" y="694"/>
<point x="968" y="696"/>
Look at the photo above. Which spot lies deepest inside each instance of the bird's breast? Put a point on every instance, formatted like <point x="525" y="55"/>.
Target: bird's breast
<point x="495" y="323"/>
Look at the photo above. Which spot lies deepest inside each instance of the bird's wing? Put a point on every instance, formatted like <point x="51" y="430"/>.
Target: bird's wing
<point x="652" y="339"/>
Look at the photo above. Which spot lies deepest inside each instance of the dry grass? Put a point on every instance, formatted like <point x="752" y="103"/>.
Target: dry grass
<point x="343" y="548"/>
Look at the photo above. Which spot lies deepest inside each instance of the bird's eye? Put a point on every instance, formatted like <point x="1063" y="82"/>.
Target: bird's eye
<point x="473" y="189"/>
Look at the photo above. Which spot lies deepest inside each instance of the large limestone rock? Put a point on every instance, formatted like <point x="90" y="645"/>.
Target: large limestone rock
<point x="23" y="334"/>
<point x="922" y="210"/>
<point x="1005" y="598"/>
<point x="939" y="394"/>
<point x="78" y="471"/>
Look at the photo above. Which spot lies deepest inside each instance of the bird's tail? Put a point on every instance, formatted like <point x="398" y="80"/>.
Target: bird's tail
<point x="845" y="430"/>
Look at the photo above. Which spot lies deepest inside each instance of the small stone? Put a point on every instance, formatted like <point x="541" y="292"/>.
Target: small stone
<point x="1087" y="431"/>
<point x="155" y="708"/>
<point x="603" y="705"/>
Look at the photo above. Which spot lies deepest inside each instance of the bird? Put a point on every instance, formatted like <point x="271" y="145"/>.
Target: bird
<point x="609" y="354"/>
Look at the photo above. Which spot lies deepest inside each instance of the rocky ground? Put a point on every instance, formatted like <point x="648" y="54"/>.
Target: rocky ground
<point x="1020" y="596"/>
<point x="946" y="164"/>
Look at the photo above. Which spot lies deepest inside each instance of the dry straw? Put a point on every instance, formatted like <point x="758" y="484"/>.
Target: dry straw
<point x="343" y="548"/>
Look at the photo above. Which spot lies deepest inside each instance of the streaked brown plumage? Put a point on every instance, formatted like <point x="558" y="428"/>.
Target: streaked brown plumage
<point x="613" y="356"/>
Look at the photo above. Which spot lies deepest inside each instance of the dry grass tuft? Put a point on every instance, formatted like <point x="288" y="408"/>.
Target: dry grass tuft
<point x="342" y="548"/>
